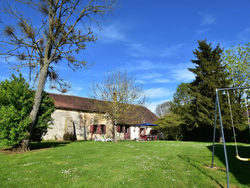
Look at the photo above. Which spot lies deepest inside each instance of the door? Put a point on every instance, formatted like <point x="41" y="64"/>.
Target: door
<point x="127" y="133"/>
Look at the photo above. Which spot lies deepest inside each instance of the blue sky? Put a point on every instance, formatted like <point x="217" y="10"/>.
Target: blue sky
<point x="154" y="41"/>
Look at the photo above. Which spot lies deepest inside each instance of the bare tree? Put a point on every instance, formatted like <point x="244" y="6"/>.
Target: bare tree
<point x="163" y="109"/>
<point x="120" y="95"/>
<point x="57" y="37"/>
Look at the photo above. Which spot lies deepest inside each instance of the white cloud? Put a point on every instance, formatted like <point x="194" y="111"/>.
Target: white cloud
<point x="7" y="60"/>
<point x="140" y="81"/>
<point x="244" y="35"/>
<point x="111" y="33"/>
<point x="156" y="81"/>
<point x="201" y="31"/>
<point x="146" y="65"/>
<point x="151" y="75"/>
<point x="152" y="105"/>
<point x="77" y="91"/>
<point x="158" y="93"/>
<point x="138" y="50"/>
<point x="161" y="80"/>
<point x="183" y="75"/>
<point x="143" y="50"/>
<point x="74" y="90"/>
<point x="207" y="19"/>
<point x="171" y="50"/>
<point x="172" y="72"/>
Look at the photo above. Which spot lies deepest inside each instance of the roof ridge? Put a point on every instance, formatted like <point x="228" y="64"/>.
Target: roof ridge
<point x="74" y="96"/>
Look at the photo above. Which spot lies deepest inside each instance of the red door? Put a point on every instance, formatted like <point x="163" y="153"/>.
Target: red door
<point x="127" y="133"/>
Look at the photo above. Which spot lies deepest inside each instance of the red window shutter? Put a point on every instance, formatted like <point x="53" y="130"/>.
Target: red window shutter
<point x="118" y="128"/>
<point x="99" y="129"/>
<point x="104" y="129"/>
<point x="91" y="129"/>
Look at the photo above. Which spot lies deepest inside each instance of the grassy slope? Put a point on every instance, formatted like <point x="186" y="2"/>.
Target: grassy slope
<point x="125" y="164"/>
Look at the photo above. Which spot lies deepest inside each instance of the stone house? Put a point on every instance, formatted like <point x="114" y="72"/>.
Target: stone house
<point x="82" y="118"/>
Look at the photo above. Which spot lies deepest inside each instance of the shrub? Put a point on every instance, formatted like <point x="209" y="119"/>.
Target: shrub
<point x="170" y="126"/>
<point x="69" y="137"/>
<point x="16" y="100"/>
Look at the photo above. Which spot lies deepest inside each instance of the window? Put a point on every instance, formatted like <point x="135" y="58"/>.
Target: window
<point x="95" y="129"/>
<point x="98" y="129"/>
<point x="103" y="129"/>
<point x="126" y="129"/>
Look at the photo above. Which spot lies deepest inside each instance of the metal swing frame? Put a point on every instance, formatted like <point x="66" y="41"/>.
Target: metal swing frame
<point x="217" y="107"/>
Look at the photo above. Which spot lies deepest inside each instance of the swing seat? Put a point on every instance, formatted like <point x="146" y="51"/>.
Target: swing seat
<point x="242" y="159"/>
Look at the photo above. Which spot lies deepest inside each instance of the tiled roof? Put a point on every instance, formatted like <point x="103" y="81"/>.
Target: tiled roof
<point x="69" y="102"/>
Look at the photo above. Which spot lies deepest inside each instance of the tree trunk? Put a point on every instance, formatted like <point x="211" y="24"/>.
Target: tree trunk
<point x="114" y="133"/>
<point x="38" y="96"/>
<point x="23" y="146"/>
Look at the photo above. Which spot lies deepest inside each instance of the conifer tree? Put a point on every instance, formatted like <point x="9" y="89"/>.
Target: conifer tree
<point x="210" y="74"/>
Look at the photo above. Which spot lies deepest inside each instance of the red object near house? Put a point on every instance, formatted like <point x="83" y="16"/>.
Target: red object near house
<point x="91" y="129"/>
<point x="99" y="129"/>
<point x="126" y="133"/>
<point x="118" y="128"/>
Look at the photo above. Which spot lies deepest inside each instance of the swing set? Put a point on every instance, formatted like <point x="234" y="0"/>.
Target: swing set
<point x="217" y="107"/>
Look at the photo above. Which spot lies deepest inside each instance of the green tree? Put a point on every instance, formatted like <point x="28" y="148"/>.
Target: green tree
<point x="54" y="35"/>
<point x="210" y="74"/>
<point x="16" y="100"/>
<point x="181" y="99"/>
<point x="237" y="61"/>
<point x="170" y="126"/>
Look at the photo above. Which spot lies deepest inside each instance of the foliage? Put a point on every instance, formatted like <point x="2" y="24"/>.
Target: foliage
<point x="181" y="99"/>
<point x="170" y="126"/>
<point x="237" y="61"/>
<point x="163" y="109"/>
<point x="181" y="96"/>
<point x="44" y="118"/>
<point x="16" y="100"/>
<point x="210" y="74"/>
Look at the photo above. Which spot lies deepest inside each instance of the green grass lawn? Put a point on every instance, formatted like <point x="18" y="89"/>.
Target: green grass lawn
<point x="123" y="164"/>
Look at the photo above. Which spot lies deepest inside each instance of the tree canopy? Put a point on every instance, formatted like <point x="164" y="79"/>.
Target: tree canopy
<point x="58" y="32"/>
<point x="237" y="61"/>
<point x="210" y="73"/>
<point x="16" y="100"/>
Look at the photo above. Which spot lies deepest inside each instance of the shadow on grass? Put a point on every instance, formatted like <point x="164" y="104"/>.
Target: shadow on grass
<point x="202" y="171"/>
<point x="44" y="145"/>
<point x="239" y="169"/>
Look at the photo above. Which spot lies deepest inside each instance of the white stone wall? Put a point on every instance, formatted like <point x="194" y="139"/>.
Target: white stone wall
<point x="135" y="132"/>
<point x="63" y="121"/>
